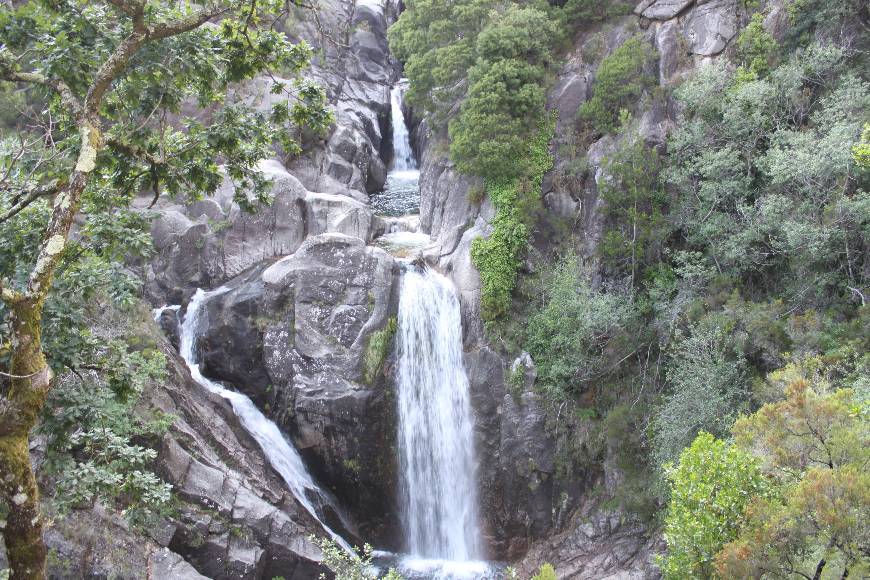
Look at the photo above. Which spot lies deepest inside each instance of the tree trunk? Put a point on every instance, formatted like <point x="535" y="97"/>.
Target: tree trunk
<point x="819" y="569"/>
<point x="31" y="379"/>
<point x="23" y="532"/>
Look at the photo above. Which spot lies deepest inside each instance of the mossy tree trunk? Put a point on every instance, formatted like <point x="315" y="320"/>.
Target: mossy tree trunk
<point x="29" y="386"/>
<point x="30" y="379"/>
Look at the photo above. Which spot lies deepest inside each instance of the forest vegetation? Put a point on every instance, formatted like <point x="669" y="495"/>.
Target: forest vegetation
<point x="715" y="341"/>
<point x="718" y="338"/>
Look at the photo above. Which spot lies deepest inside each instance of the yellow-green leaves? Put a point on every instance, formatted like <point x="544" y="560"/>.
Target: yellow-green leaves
<point x="710" y="489"/>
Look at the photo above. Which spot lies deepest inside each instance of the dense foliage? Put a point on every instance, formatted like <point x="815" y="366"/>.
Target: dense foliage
<point x="576" y="331"/>
<point x="710" y="489"/>
<point x="516" y="200"/>
<point x="738" y="248"/>
<point x="506" y="95"/>
<point x="634" y="200"/>
<point x="790" y="497"/>
<point x="619" y="81"/>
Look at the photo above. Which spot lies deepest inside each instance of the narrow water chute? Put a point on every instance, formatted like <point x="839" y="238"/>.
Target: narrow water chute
<point x="280" y="453"/>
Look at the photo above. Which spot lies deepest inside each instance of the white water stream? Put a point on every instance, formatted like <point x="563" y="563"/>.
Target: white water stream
<point x="401" y="194"/>
<point x="438" y="480"/>
<point x="280" y="453"/>
<point x="436" y="443"/>
<point x="403" y="155"/>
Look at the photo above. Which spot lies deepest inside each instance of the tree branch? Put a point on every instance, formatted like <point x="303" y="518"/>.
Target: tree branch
<point x="128" y="8"/>
<point x="67" y="97"/>
<point x="8" y="294"/>
<point x="28" y="198"/>
<point x="185" y="24"/>
<point x="116" y="63"/>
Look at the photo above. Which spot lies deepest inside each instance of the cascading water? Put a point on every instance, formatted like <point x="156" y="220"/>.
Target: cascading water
<point x="281" y="455"/>
<point x="438" y="476"/>
<point x="403" y="155"/>
<point x="401" y="195"/>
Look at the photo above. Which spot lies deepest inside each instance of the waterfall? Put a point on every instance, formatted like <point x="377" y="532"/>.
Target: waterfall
<point x="401" y="194"/>
<point x="438" y="479"/>
<point x="281" y="455"/>
<point x="403" y="155"/>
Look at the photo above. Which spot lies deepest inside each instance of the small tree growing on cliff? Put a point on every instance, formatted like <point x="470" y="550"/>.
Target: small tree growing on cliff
<point x="99" y="87"/>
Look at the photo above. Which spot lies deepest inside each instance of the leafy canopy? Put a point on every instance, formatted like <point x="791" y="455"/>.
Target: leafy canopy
<point x="710" y="489"/>
<point x="506" y="95"/>
<point x="795" y="483"/>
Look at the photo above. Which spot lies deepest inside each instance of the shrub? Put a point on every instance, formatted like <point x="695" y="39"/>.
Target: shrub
<point x="708" y="384"/>
<point x="620" y="79"/>
<point x="546" y="572"/>
<point x="497" y="257"/>
<point x="573" y="337"/>
<point x="506" y="95"/>
<point x="710" y="488"/>
<point x="755" y="49"/>
<point x="634" y="201"/>
<point x="346" y="566"/>
<point x="95" y="439"/>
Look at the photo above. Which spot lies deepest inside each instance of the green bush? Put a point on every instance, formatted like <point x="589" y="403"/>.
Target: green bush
<point x="710" y="488"/>
<point x="755" y="49"/>
<point x="619" y="80"/>
<point x="95" y="438"/>
<point x="575" y="13"/>
<point x="708" y="387"/>
<point x="506" y="95"/>
<point x="345" y="566"/>
<point x="546" y="572"/>
<point x="437" y="42"/>
<point x="497" y="257"/>
<point x="573" y="338"/>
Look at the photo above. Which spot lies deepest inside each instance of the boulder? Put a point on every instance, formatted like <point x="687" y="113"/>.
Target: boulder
<point x="710" y="26"/>
<point x="293" y="335"/>
<point x="170" y="566"/>
<point x="661" y="9"/>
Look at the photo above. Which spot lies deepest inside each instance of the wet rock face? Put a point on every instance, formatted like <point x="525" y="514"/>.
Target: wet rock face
<point x="235" y="519"/>
<point x="293" y="335"/>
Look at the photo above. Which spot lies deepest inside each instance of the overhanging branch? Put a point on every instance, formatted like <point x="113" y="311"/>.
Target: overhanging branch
<point x="67" y="97"/>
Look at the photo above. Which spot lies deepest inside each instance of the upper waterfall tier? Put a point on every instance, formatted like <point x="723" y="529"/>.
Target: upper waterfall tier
<point x="403" y="154"/>
<point x="401" y="194"/>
